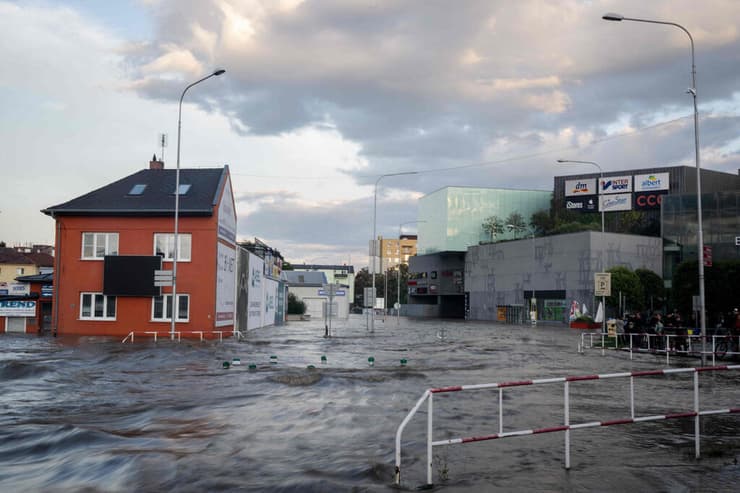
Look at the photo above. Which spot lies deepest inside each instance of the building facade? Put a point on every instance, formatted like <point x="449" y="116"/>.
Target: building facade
<point x="451" y="219"/>
<point x="343" y="275"/>
<point x="396" y="251"/>
<point x="501" y="278"/>
<point x="111" y="242"/>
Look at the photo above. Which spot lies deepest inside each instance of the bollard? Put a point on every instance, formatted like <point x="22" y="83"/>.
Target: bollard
<point x="252" y="366"/>
<point x="311" y="367"/>
<point x="323" y="358"/>
<point x="371" y="360"/>
<point x="403" y="361"/>
<point x="236" y="362"/>
<point x="273" y="359"/>
<point x="226" y="365"/>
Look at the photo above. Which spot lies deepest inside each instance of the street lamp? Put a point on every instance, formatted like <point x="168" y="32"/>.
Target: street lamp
<point x="374" y="240"/>
<point x="700" y="234"/>
<point x="177" y="204"/>
<point x="601" y="176"/>
<point x="398" y="291"/>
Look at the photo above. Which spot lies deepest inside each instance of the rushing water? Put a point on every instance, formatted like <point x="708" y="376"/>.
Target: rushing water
<point x="92" y="414"/>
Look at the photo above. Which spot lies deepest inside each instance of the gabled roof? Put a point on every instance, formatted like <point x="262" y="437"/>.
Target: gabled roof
<point x="157" y="198"/>
<point x="41" y="259"/>
<point x="10" y="256"/>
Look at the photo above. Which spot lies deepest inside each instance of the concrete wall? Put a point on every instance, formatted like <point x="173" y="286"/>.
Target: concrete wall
<point x="497" y="274"/>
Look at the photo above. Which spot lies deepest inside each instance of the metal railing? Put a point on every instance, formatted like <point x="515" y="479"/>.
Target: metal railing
<point x="201" y="335"/>
<point x="722" y="346"/>
<point x="566" y="426"/>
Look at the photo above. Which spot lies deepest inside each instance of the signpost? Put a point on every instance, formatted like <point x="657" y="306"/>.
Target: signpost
<point x="603" y="288"/>
<point x="162" y="278"/>
<point x="330" y="290"/>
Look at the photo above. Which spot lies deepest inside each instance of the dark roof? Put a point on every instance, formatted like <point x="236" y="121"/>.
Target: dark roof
<point x="10" y="256"/>
<point x="304" y="278"/>
<point x="44" y="278"/>
<point x="157" y="199"/>
<point x="313" y="267"/>
<point x="41" y="259"/>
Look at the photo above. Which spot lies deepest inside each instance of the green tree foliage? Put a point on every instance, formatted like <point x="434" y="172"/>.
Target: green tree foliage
<point x="628" y="283"/>
<point x="295" y="305"/>
<point x="493" y="226"/>
<point x="653" y="289"/>
<point x="516" y="222"/>
<point x="719" y="285"/>
<point x="287" y="265"/>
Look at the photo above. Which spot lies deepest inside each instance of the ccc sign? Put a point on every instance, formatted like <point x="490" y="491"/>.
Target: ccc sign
<point x="648" y="200"/>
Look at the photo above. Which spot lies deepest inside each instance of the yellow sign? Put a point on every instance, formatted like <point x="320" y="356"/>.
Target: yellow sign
<point x="602" y="284"/>
<point x="501" y="313"/>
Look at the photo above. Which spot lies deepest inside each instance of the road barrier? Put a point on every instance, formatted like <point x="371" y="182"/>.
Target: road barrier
<point x="720" y="347"/>
<point x="200" y="334"/>
<point x="566" y="426"/>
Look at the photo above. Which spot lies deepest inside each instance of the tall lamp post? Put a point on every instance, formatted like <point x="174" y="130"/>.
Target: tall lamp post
<point x="700" y="233"/>
<point x="398" y="291"/>
<point x="177" y="204"/>
<point x="374" y="243"/>
<point x="601" y="176"/>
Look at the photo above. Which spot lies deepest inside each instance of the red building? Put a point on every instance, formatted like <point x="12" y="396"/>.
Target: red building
<point x="110" y="242"/>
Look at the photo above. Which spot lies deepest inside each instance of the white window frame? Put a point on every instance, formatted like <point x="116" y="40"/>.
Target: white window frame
<point x="184" y="239"/>
<point x="167" y="308"/>
<point x="91" y="307"/>
<point x="109" y="243"/>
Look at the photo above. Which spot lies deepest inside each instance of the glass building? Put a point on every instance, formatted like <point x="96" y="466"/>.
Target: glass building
<point x="451" y="218"/>
<point x="720" y="221"/>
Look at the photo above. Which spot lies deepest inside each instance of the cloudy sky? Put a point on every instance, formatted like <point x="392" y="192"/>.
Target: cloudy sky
<point x="321" y="97"/>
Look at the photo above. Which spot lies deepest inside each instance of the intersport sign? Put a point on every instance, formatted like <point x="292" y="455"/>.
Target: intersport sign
<point x="615" y="184"/>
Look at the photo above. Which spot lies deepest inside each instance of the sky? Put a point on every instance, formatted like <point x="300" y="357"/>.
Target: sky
<point x="322" y="97"/>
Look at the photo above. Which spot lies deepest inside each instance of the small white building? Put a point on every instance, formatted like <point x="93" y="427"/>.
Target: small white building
<point x="313" y="289"/>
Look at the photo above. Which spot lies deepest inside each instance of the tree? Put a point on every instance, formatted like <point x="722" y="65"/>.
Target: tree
<point x="493" y="226"/>
<point x="627" y="283"/>
<point x="295" y="306"/>
<point x="363" y="280"/>
<point x="653" y="289"/>
<point x="719" y="281"/>
<point x="516" y="222"/>
<point x="287" y="265"/>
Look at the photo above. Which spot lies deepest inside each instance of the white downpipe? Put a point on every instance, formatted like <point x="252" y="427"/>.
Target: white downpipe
<point x="429" y="442"/>
<point x="566" y="405"/>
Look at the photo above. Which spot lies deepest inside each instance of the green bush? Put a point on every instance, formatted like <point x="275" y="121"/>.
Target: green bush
<point x="295" y="305"/>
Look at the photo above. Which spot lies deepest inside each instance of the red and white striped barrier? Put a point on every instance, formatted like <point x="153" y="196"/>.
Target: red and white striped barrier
<point x="566" y="427"/>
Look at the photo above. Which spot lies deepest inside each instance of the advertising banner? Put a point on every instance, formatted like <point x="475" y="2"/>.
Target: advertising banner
<point x="270" y="289"/>
<point x="587" y="203"/>
<point x="616" y="202"/>
<point x="255" y="292"/>
<point x="652" y="182"/>
<point x="17" y="308"/>
<point x="648" y="200"/>
<point x="615" y="184"/>
<point x="242" y="300"/>
<point x="580" y="187"/>
<point x="225" y="285"/>
<point x="15" y="288"/>
<point x="226" y="215"/>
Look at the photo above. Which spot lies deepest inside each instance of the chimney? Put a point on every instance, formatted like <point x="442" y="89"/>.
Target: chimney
<point x="154" y="164"/>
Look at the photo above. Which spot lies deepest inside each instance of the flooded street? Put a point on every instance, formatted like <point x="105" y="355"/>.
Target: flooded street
<point x="92" y="414"/>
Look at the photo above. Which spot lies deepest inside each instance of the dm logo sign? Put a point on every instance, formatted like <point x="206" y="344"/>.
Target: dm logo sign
<point x="580" y="187"/>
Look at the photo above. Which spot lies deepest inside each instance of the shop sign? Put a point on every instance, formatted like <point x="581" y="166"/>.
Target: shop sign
<point x="47" y="291"/>
<point x="616" y="202"/>
<point x="648" y="200"/>
<point x="651" y="182"/>
<point x="14" y="288"/>
<point x="17" y="308"/>
<point x="615" y="184"/>
<point x="582" y="204"/>
<point x="580" y="187"/>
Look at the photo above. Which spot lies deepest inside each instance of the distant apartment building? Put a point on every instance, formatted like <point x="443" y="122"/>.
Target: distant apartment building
<point x="396" y="251"/>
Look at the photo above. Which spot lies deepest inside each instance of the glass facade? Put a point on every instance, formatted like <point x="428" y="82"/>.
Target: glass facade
<point x="721" y="224"/>
<point x="451" y="219"/>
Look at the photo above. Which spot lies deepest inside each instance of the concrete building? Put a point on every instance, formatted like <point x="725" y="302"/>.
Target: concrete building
<point x="396" y="251"/>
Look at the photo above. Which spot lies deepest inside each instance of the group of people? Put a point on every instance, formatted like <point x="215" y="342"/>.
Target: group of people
<point x="635" y="323"/>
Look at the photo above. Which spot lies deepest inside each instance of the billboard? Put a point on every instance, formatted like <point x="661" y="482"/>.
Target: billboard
<point x="130" y="275"/>
<point x="652" y="182"/>
<point x="226" y="215"/>
<point x="615" y="184"/>
<point x="10" y="308"/>
<point x="225" y="285"/>
<point x="580" y="187"/>
<point x="588" y="203"/>
<point x="615" y="202"/>
<point x="648" y="200"/>
<point x="255" y="291"/>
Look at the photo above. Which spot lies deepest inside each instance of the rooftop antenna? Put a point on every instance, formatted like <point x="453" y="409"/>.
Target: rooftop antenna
<point x="162" y="143"/>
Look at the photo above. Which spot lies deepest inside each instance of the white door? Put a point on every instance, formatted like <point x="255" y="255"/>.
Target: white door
<point x="15" y="324"/>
